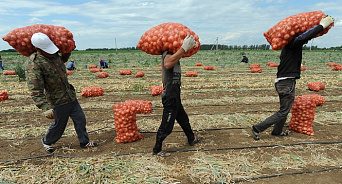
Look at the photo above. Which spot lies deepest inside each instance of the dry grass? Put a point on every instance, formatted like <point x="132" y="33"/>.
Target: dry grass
<point x="195" y="166"/>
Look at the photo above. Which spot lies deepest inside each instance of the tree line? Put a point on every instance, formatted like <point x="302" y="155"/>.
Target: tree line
<point x="216" y="47"/>
<point x="258" y="47"/>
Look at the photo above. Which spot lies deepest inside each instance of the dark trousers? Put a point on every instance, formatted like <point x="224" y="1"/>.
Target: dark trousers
<point x="173" y="110"/>
<point x="62" y="113"/>
<point x="286" y="92"/>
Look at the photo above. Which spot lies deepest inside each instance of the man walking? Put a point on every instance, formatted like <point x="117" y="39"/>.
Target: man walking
<point x="288" y="72"/>
<point x="47" y="80"/>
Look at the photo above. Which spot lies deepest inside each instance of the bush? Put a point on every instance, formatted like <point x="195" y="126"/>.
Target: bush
<point x="20" y="71"/>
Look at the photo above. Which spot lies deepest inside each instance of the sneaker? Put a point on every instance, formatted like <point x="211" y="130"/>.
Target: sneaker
<point x="255" y="134"/>
<point x="89" y="145"/>
<point x="48" y="148"/>
<point x="196" y="140"/>
<point x="162" y="154"/>
<point x="285" y="133"/>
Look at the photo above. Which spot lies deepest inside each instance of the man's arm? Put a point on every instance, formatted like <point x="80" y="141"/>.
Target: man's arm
<point x="171" y="60"/>
<point x="306" y="36"/>
<point x="35" y="83"/>
<point x="311" y="33"/>
<point x="65" y="57"/>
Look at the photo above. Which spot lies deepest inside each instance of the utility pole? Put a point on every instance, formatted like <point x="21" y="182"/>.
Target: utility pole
<point x="116" y="47"/>
<point x="311" y="44"/>
<point x="216" y="43"/>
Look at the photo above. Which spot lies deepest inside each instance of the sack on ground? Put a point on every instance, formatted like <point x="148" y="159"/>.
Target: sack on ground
<point x="92" y="91"/>
<point x="156" y="90"/>
<point x="125" y="123"/>
<point x="303" y="115"/>
<point x="143" y="106"/>
<point x="3" y="96"/>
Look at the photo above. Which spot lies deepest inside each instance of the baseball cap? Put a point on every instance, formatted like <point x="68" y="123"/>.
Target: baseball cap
<point x="42" y="41"/>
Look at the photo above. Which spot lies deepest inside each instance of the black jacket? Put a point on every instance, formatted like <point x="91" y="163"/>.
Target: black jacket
<point x="291" y="55"/>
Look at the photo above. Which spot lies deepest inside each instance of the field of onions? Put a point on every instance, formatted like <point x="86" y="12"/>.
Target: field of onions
<point x="222" y="104"/>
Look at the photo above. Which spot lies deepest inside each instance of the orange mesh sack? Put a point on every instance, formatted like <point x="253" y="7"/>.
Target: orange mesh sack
<point x="141" y="105"/>
<point x="332" y="64"/>
<point x="302" y="68"/>
<point x="254" y="65"/>
<point x="167" y="37"/>
<point x="125" y="123"/>
<point x="316" y="86"/>
<point x="9" y="72"/>
<point x="287" y="29"/>
<point x="337" y="68"/>
<point x="103" y="75"/>
<point x="256" y="70"/>
<point x="3" y="95"/>
<point x="156" y="90"/>
<point x="140" y="74"/>
<point x="303" y="115"/>
<point x="208" y="68"/>
<point x="20" y="38"/>
<point x="94" y="70"/>
<point x="69" y="72"/>
<point x="191" y="74"/>
<point x="92" y="91"/>
<point x="319" y="100"/>
<point x="125" y="72"/>
<point x="272" y="64"/>
<point x="92" y="66"/>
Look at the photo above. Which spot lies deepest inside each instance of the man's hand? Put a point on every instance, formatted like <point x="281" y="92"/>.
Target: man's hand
<point x="49" y="114"/>
<point x="188" y="43"/>
<point x="326" y="21"/>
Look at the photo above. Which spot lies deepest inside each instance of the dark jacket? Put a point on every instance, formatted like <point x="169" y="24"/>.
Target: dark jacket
<point x="48" y="82"/>
<point x="291" y="55"/>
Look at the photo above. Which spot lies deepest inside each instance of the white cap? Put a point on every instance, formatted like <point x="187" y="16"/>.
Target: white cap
<point x="42" y="41"/>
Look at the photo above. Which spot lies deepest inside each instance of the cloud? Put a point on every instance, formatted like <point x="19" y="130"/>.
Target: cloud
<point x="34" y="20"/>
<point x="232" y="36"/>
<point x="339" y="23"/>
<point x="97" y="23"/>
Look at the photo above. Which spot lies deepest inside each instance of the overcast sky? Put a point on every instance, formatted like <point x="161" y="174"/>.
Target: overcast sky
<point x="96" y="24"/>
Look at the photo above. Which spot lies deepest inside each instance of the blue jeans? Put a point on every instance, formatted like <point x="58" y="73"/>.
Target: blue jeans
<point x="286" y="92"/>
<point x="62" y="113"/>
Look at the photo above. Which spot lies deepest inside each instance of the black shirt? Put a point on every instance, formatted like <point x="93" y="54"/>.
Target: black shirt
<point x="291" y="54"/>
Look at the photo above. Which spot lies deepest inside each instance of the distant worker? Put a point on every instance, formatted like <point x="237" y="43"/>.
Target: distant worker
<point x="244" y="59"/>
<point x="71" y="65"/>
<point x="2" y="68"/>
<point x="103" y="64"/>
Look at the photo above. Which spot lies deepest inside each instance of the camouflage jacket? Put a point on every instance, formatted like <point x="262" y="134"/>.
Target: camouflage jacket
<point x="47" y="81"/>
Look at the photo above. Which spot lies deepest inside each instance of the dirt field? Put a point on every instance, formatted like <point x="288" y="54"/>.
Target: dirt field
<point x="221" y="104"/>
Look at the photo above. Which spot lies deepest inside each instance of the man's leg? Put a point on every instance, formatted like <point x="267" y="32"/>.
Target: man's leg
<point x="166" y="126"/>
<point x="286" y="97"/>
<point x="56" y="129"/>
<point x="286" y="92"/>
<point x="183" y="120"/>
<point x="79" y="119"/>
